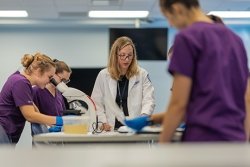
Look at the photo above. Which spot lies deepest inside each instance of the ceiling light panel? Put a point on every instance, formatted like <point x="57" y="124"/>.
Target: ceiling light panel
<point x="13" y="13"/>
<point x="231" y="14"/>
<point x="118" y="14"/>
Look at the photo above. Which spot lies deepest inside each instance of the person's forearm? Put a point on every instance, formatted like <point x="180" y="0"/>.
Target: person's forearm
<point x="172" y="119"/>
<point x="32" y="114"/>
<point x="247" y="117"/>
<point x="247" y="125"/>
<point x="177" y="106"/>
<point x="42" y="119"/>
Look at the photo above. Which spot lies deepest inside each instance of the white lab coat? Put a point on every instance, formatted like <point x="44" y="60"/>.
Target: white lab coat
<point x="140" y="97"/>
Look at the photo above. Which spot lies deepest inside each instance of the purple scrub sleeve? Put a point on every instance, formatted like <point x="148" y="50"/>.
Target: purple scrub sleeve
<point x="16" y="92"/>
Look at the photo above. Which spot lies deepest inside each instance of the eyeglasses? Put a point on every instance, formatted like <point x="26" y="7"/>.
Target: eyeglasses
<point x="125" y="56"/>
<point x="63" y="79"/>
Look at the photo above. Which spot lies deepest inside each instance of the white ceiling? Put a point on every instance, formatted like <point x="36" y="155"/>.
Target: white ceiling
<point x="78" y="9"/>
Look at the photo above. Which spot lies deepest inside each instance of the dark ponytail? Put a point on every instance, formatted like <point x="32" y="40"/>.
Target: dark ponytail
<point x="167" y="4"/>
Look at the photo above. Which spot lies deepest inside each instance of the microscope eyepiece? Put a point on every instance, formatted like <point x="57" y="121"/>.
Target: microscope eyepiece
<point x="53" y="81"/>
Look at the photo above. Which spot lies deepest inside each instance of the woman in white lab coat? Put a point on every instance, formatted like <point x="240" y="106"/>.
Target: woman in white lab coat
<point x="123" y="88"/>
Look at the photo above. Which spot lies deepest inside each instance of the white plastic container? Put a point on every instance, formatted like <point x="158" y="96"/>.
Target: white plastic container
<point x="76" y="124"/>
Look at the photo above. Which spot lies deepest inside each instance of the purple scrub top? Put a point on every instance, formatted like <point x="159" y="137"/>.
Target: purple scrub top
<point x="16" y="92"/>
<point x="47" y="103"/>
<point x="216" y="61"/>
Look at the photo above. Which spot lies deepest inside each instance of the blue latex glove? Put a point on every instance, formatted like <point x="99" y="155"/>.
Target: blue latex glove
<point x="55" y="129"/>
<point x="59" y="121"/>
<point x="138" y="123"/>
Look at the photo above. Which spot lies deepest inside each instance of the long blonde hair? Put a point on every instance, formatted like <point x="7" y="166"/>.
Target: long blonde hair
<point x="37" y="61"/>
<point x="113" y="66"/>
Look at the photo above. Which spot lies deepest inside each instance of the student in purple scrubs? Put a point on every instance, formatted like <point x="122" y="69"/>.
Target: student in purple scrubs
<point x="16" y="97"/>
<point x="49" y="100"/>
<point x="209" y="66"/>
<point x="158" y="117"/>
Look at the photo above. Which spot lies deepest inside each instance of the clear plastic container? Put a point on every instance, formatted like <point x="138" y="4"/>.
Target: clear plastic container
<point x="76" y="124"/>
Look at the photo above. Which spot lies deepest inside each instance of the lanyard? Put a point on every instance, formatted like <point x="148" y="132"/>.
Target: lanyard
<point x="121" y="94"/>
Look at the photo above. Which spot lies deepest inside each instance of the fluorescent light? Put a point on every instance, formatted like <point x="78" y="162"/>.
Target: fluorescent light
<point x="118" y="14"/>
<point x="13" y="13"/>
<point x="231" y="14"/>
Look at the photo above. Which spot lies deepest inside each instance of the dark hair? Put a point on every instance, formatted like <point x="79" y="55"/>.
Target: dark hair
<point x="167" y="4"/>
<point x="216" y="19"/>
<point x="170" y="52"/>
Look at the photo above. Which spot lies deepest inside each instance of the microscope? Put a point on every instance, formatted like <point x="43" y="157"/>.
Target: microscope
<point x="79" y="103"/>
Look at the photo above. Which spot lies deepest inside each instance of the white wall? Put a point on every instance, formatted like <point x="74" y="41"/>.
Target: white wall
<point x="78" y="47"/>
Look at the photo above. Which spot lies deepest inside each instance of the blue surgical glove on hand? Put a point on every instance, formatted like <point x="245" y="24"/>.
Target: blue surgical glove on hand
<point x="59" y="121"/>
<point x="58" y="126"/>
<point x="55" y="129"/>
<point x="138" y="123"/>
